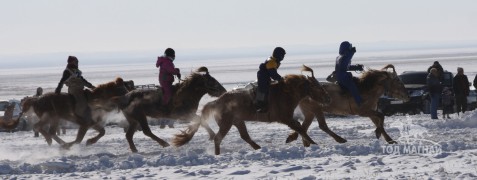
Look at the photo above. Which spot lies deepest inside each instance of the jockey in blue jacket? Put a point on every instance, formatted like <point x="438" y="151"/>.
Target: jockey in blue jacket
<point x="343" y="65"/>
<point x="267" y="71"/>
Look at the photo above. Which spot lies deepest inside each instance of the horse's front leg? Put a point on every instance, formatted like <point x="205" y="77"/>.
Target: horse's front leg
<point x="52" y="131"/>
<point x="101" y="133"/>
<point x="295" y="125"/>
<point x="378" y="120"/>
<point x="38" y="127"/>
<point x="242" y="128"/>
<point x="142" y="119"/>
<point x="79" y="137"/>
<point x="324" y="127"/>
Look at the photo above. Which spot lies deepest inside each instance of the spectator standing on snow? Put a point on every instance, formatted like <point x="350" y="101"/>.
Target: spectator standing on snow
<point x="435" y="90"/>
<point x="447" y="102"/>
<point x="460" y="84"/>
<point x="439" y="68"/>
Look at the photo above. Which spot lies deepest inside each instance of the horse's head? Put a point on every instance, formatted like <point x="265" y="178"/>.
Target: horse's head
<point x="26" y="105"/>
<point x="105" y="95"/>
<point x="207" y="82"/>
<point x="393" y="85"/>
<point x="316" y="91"/>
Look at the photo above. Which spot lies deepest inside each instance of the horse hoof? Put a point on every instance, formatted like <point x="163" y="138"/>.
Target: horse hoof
<point x="341" y="140"/>
<point x="392" y="142"/>
<point x="90" y="142"/>
<point x="378" y="133"/>
<point x="306" y="144"/>
<point x="165" y="145"/>
<point x="258" y="147"/>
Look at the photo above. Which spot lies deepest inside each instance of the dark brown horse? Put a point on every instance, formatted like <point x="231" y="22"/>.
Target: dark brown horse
<point x="52" y="107"/>
<point x="184" y="104"/>
<point x="372" y="85"/>
<point x="236" y="107"/>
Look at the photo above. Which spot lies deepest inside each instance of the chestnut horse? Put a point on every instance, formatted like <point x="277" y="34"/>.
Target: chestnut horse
<point x="372" y="84"/>
<point x="51" y="108"/>
<point x="145" y="103"/>
<point x="236" y="107"/>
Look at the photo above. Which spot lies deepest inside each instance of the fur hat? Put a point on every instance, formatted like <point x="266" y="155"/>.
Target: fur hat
<point x="279" y="53"/>
<point x="71" y="59"/>
<point x="170" y="52"/>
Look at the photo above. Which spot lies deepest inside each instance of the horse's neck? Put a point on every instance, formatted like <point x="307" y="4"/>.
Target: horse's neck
<point x="188" y="98"/>
<point x="376" y="92"/>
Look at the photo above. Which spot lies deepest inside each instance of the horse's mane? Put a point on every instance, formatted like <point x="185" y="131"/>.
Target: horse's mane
<point x="108" y="85"/>
<point x="369" y="78"/>
<point x="179" y="87"/>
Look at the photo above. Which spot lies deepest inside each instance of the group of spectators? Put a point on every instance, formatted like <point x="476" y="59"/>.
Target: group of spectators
<point x="456" y="94"/>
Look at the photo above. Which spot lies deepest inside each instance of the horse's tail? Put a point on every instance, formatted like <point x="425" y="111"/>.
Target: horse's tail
<point x="186" y="136"/>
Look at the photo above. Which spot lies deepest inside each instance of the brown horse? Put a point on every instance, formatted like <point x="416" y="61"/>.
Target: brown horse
<point x="52" y="107"/>
<point x="184" y="104"/>
<point x="236" y="107"/>
<point x="372" y="85"/>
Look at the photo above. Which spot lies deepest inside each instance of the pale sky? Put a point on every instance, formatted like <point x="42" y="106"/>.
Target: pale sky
<point x="41" y="26"/>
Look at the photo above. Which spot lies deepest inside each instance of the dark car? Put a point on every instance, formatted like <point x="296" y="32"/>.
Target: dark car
<point x="415" y="83"/>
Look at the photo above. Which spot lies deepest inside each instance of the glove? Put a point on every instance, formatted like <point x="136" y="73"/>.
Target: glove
<point x="179" y="75"/>
<point x="57" y="91"/>
<point x="353" y="49"/>
<point x="360" y="67"/>
<point x="178" y="70"/>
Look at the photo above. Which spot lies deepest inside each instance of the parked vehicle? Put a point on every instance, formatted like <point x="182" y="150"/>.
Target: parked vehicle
<point x="415" y="83"/>
<point x="23" y="124"/>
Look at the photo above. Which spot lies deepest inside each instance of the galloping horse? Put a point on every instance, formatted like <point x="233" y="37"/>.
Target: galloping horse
<point x="236" y="107"/>
<point x="185" y="101"/>
<point x="52" y="107"/>
<point x="372" y="85"/>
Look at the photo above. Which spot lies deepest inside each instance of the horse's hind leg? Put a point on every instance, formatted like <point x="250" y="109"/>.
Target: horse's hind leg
<point x="245" y="136"/>
<point x="295" y="125"/>
<point x="209" y="130"/>
<point x="95" y="139"/>
<point x="224" y="128"/>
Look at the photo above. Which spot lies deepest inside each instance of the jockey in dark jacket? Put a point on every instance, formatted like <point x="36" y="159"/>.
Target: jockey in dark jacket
<point x="73" y="78"/>
<point x="343" y="65"/>
<point x="266" y="72"/>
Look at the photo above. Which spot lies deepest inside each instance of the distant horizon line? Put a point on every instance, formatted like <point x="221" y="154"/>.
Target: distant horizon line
<point x="140" y="56"/>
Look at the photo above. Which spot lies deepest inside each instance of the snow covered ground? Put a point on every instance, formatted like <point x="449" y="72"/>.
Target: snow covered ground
<point x="427" y="148"/>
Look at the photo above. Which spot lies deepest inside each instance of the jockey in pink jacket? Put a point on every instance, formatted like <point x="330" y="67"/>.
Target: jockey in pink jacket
<point x="166" y="72"/>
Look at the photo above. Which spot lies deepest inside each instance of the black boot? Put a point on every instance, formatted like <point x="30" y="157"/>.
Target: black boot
<point x="262" y="107"/>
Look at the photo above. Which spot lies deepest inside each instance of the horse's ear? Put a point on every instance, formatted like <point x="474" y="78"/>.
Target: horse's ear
<point x="203" y="69"/>
<point x="306" y="68"/>
<point x="119" y="81"/>
<point x="385" y="68"/>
